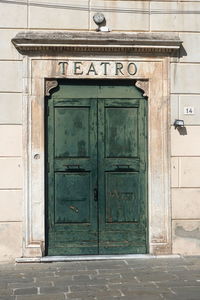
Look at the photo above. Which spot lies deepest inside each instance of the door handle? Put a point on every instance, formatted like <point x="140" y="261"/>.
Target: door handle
<point x="127" y="168"/>
<point x="95" y="194"/>
<point x="72" y="166"/>
<point x="123" y="166"/>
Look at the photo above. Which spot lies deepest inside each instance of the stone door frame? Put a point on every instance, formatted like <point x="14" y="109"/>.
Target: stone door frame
<point x="152" y="53"/>
<point x="152" y="77"/>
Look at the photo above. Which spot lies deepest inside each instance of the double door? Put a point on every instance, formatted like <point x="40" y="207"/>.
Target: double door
<point x="96" y="174"/>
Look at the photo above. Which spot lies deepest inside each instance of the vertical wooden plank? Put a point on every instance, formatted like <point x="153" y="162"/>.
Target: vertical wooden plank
<point x="143" y="148"/>
<point x="72" y="175"/>
<point x="50" y="168"/>
<point x="122" y="175"/>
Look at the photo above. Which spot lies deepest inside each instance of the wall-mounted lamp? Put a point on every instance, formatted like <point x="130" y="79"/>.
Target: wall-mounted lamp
<point x="178" y="123"/>
<point x="100" y="20"/>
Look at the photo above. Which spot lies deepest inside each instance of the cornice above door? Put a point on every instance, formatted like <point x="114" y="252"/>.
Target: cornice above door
<point x="56" y="42"/>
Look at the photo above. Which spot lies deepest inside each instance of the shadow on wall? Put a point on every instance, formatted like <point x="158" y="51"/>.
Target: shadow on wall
<point x="182" y="51"/>
<point x="182" y="130"/>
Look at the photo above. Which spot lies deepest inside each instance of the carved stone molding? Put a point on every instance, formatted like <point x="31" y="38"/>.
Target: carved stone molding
<point x="49" y="85"/>
<point x="144" y="86"/>
<point x="30" y="42"/>
<point x="150" y="78"/>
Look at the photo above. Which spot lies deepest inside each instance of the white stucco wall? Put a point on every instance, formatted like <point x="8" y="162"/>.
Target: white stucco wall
<point x="145" y="16"/>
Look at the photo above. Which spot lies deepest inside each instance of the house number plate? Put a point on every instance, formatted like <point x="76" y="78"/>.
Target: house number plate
<point x="188" y="110"/>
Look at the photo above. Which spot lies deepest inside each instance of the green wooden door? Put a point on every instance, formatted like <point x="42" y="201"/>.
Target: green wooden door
<point x="96" y="177"/>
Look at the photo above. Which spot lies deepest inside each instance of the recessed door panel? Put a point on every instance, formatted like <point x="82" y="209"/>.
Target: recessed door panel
<point x="121" y="197"/>
<point x="121" y="132"/>
<point x="72" y="137"/>
<point x="72" y="197"/>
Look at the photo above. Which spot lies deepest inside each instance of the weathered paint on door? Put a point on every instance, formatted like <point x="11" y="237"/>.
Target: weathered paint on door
<point x="96" y="177"/>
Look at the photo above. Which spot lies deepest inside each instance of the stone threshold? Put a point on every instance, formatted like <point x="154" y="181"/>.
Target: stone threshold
<point x="49" y="259"/>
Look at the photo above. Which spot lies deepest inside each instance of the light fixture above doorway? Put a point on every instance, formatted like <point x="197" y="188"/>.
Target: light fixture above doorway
<point x="100" y="20"/>
<point x="178" y="123"/>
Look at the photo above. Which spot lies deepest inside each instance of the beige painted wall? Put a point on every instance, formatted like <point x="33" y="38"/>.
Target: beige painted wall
<point x="155" y="16"/>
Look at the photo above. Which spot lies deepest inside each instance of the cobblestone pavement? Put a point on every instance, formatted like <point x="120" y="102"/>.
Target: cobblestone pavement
<point x="150" y="279"/>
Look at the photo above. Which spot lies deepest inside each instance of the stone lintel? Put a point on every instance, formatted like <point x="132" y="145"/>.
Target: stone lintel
<point x="44" y="41"/>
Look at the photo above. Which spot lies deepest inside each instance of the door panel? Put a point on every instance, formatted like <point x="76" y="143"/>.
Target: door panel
<point x="72" y="177"/>
<point x="76" y="130"/>
<point x="121" y="132"/>
<point x="72" y="191"/>
<point x="122" y="176"/>
<point x="97" y="178"/>
<point x="121" y="197"/>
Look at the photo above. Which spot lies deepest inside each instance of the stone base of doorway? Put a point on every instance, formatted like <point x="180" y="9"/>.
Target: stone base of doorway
<point x="49" y="259"/>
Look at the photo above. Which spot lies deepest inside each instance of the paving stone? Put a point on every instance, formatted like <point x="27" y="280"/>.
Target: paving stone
<point x="65" y="275"/>
<point x="145" y="297"/>
<point x="141" y="294"/>
<point x="191" y="259"/>
<point x="88" y="288"/>
<point x="78" y="278"/>
<point x="43" y="297"/>
<point x="34" y="267"/>
<point x="155" y="276"/>
<point x="59" y="282"/>
<point x="194" y="274"/>
<point x="149" y="279"/>
<point x="156" y="262"/>
<point x="43" y="281"/>
<point x="176" y="283"/>
<point x="131" y="285"/>
<point x="3" y="285"/>
<point x="181" y="297"/>
<point x="31" y="284"/>
<point x="111" y="278"/>
<point x="97" y="281"/>
<point x="111" y="265"/>
<point x="41" y="275"/>
<point x="195" y="267"/>
<point x="110" y="271"/>
<point x="85" y="294"/>
<point x="169" y="268"/>
<point x="73" y="266"/>
<point x="15" y="280"/>
<point x="25" y="291"/>
<point x="7" y="298"/>
<point x="74" y="272"/>
<point x="82" y="297"/>
<point x="4" y="292"/>
<point x="185" y="293"/>
<point x="53" y="290"/>
<point x="115" y="298"/>
<point x="59" y="273"/>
